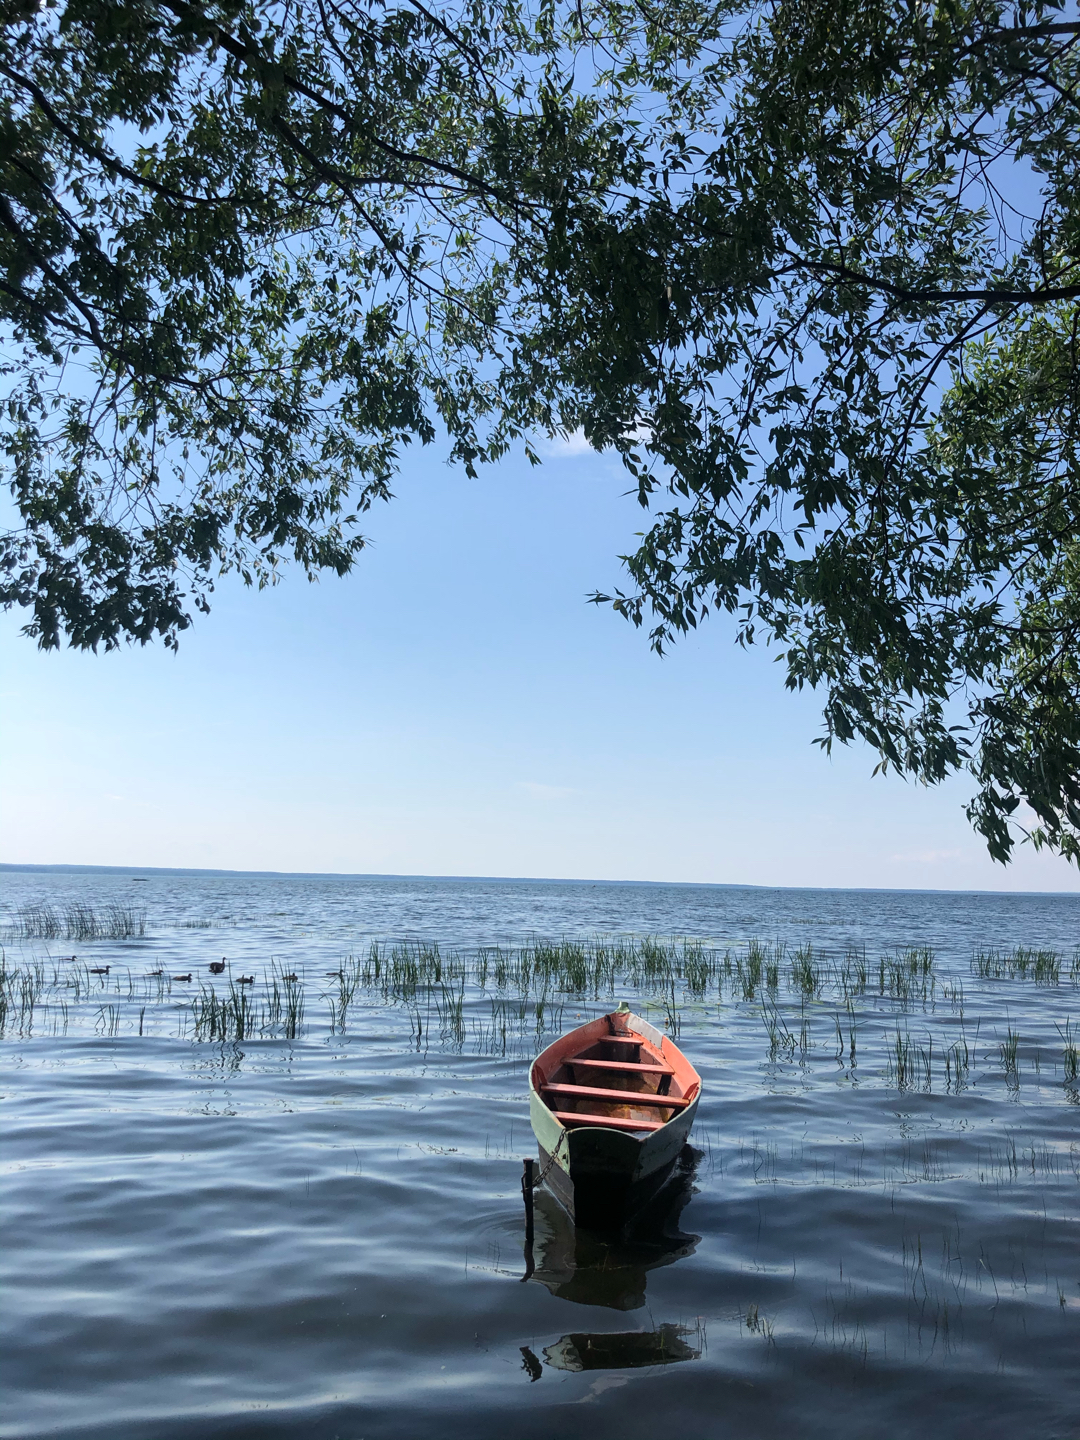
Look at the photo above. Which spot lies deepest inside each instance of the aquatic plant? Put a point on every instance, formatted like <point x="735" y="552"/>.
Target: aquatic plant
<point x="1041" y="966"/>
<point x="236" y="1015"/>
<point x="1009" y="1048"/>
<point x="907" y="974"/>
<point x="958" y="1058"/>
<point x="759" y="967"/>
<point x="450" y="1004"/>
<point x="507" y="999"/>
<point x="77" y="921"/>
<point x="696" y="970"/>
<point x="285" y="1005"/>
<point x="852" y="1028"/>
<point x="1072" y="1053"/>
<point x="805" y="974"/>
<point x="910" y="1067"/>
<point x="781" y="1040"/>
<point x="854" y="972"/>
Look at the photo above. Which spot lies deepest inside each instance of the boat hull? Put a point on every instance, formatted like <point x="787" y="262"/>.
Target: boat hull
<point x="601" y="1176"/>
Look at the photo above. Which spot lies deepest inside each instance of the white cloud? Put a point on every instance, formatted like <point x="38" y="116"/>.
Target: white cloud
<point x="567" y="447"/>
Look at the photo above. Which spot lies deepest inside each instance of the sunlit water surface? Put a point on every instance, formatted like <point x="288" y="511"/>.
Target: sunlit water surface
<point x="322" y="1237"/>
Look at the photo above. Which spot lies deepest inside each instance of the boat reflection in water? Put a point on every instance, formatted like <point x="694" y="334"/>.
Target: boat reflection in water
<point x="632" y="1350"/>
<point x="591" y="1268"/>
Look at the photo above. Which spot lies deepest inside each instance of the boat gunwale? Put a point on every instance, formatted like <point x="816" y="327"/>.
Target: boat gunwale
<point x="667" y="1051"/>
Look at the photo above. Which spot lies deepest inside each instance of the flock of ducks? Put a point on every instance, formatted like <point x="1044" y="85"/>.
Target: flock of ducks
<point x="216" y="967"/>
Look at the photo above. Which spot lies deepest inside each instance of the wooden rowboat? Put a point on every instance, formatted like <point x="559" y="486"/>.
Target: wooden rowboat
<point x="611" y="1106"/>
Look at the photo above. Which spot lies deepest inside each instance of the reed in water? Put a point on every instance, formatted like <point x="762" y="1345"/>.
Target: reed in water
<point x="502" y="1000"/>
<point x="77" y="921"/>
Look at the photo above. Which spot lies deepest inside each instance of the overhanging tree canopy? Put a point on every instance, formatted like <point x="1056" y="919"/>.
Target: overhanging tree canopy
<point x="247" y="251"/>
<point x="813" y="270"/>
<point x="837" y="323"/>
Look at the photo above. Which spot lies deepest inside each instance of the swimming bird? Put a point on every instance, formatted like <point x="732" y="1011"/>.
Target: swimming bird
<point x="181" y="977"/>
<point x="100" y="970"/>
<point x="155" y="974"/>
<point x="290" y="977"/>
<point x="245" y="979"/>
<point x="337" y="974"/>
<point x="217" y="966"/>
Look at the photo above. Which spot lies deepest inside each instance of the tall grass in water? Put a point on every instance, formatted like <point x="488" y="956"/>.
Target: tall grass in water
<point x="526" y="987"/>
<point x="77" y="922"/>
<point x="1042" y="966"/>
<point x="758" y="969"/>
<point x="400" y="971"/>
<point x="1009" y="1056"/>
<point x="234" y="1016"/>
<point x="1072" y="1053"/>
<point x="23" y="989"/>
<point x="910" y="1067"/>
<point x="285" y="1005"/>
<point x="20" y="995"/>
<point x="907" y="974"/>
<point x="854" y="973"/>
<point x="805" y="972"/>
<point x="781" y="1041"/>
<point x="852" y="1031"/>
<point x="450" y="1005"/>
<point x="958" y="1057"/>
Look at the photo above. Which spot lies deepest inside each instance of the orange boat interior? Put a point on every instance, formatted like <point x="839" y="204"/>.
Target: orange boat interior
<point x="606" y="1075"/>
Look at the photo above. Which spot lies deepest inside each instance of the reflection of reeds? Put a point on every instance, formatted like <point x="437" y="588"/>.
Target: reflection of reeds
<point x="517" y="1019"/>
<point x="759" y="1324"/>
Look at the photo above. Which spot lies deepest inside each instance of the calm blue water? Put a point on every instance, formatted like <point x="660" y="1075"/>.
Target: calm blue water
<point x="322" y="1236"/>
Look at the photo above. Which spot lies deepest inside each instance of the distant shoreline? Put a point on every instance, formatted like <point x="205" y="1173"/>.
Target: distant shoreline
<point x="7" y="867"/>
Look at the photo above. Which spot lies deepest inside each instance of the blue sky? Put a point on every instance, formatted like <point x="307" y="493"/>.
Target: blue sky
<point x="455" y="707"/>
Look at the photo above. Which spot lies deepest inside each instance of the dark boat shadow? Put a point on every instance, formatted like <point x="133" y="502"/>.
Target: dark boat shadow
<point x="593" y="1267"/>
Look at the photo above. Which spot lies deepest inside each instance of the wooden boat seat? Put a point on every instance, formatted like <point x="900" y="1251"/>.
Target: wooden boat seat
<point x="617" y="1097"/>
<point x="573" y="1117"/>
<point x="625" y="1067"/>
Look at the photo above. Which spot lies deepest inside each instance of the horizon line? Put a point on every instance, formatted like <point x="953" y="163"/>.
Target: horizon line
<point x="135" y="870"/>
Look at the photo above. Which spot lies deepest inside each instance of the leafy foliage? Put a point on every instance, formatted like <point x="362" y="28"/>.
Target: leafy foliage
<point x="849" y="353"/>
<point x="812" y="270"/>
<point x="248" y="252"/>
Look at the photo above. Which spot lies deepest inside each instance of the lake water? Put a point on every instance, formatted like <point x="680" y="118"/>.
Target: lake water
<point x="321" y="1236"/>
